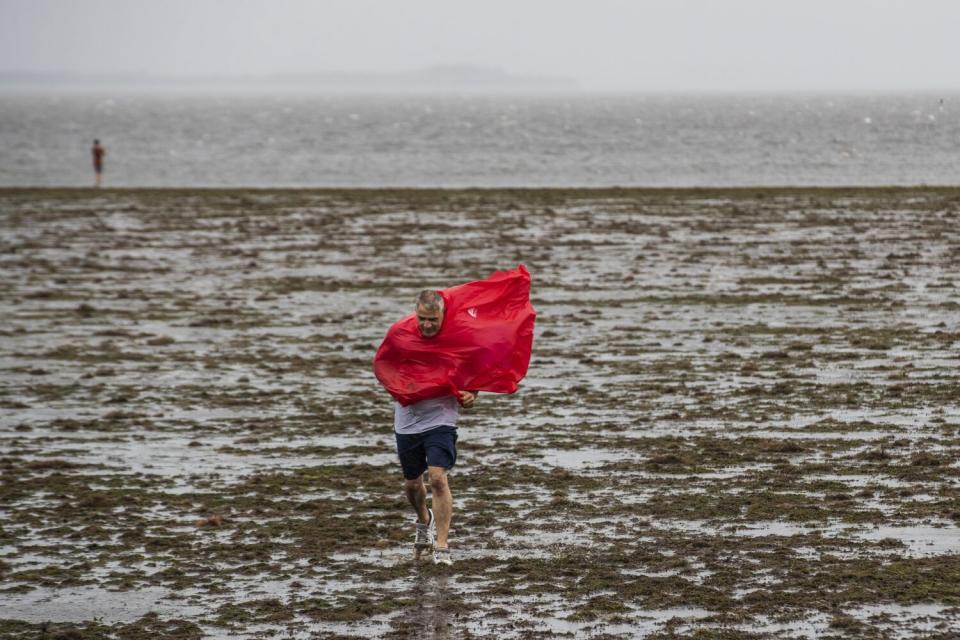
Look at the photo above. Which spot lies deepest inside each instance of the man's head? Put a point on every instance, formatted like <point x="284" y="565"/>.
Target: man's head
<point x="429" y="312"/>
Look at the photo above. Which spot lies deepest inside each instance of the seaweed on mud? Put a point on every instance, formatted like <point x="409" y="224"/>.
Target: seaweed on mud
<point x="741" y="402"/>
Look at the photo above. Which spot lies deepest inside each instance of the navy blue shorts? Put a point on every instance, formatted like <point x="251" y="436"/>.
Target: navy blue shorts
<point x="435" y="448"/>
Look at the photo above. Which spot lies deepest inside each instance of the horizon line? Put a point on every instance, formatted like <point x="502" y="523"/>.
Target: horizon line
<point x="438" y="79"/>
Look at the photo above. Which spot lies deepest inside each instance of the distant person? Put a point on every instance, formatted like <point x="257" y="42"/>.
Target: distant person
<point x="99" y="153"/>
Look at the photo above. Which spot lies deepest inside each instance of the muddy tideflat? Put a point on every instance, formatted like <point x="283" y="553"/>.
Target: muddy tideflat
<point x="742" y="417"/>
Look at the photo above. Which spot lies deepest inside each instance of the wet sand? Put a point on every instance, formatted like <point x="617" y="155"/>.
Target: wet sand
<point x="742" y="417"/>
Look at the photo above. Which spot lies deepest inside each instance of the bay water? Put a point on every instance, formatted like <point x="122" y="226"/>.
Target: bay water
<point x="483" y="141"/>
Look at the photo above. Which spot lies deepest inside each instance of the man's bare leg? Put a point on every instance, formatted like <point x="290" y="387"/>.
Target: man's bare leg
<point x="442" y="503"/>
<point x="417" y="495"/>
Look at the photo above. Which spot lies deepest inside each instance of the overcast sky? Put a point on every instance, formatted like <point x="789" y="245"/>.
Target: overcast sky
<point x="606" y="45"/>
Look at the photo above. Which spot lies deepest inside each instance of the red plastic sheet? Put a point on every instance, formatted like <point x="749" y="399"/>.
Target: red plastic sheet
<point x="483" y="344"/>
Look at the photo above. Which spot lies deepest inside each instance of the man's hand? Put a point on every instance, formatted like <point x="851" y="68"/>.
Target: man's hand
<point x="467" y="398"/>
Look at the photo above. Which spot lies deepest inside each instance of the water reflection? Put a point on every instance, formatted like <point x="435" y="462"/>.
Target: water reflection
<point x="431" y="616"/>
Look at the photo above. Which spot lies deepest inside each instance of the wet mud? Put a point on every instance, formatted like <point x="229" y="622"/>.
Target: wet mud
<point x="742" y="417"/>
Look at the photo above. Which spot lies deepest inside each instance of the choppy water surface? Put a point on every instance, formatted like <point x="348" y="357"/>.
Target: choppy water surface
<point x="482" y="141"/>
<point x="742" y="415"/>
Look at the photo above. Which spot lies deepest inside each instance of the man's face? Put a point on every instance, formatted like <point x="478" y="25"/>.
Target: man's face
<point x="428" y="321"/>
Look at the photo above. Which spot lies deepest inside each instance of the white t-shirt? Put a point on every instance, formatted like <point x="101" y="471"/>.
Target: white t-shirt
<point x="426" y="414"/>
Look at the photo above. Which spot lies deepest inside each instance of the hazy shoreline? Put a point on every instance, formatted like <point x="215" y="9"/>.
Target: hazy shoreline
<point x="439" y="191"/>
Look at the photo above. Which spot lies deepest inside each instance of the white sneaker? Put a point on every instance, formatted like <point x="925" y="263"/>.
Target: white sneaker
<point x="442" y="556"/>
<point x="424" y="536"/>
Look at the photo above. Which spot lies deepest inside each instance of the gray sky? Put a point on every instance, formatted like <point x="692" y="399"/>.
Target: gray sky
<point x="607" y="45"/>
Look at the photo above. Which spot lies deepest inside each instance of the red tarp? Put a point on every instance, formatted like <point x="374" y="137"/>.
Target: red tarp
<point x="483" y="344"/>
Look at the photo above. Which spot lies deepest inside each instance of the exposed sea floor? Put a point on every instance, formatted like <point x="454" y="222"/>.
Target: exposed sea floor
<point x="741" y="419"/>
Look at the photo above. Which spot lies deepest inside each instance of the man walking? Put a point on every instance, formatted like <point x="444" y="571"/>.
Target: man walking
<point x="475" y="336"/>
<point x="426" y="433"/>
<point x="98" y="153"/>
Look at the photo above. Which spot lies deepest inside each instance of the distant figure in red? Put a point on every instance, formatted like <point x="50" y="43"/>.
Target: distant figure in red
<point x="98" y="153"/>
